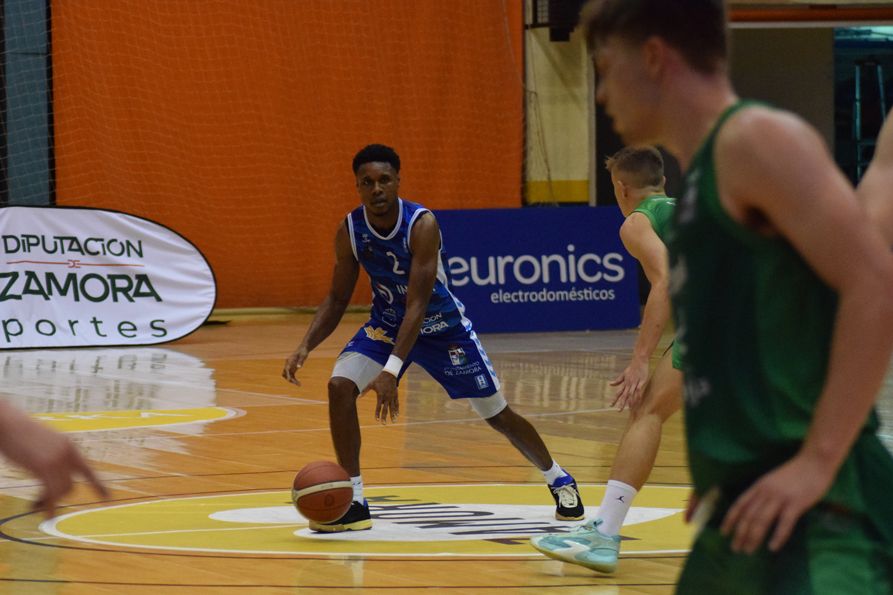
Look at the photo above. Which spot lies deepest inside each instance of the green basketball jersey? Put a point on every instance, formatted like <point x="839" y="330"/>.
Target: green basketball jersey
<point x="754" y="324"/>
<point x="659" y="210"/>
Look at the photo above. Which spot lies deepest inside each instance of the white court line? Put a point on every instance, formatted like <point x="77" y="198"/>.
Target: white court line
<point x="174" y="531"/>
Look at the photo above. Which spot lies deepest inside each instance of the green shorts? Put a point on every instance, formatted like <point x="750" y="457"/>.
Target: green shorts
<point x="830" y="552"/>
<point x="676" y="356"/>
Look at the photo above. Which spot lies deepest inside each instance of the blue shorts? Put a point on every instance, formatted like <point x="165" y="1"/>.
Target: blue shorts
<point x="455" y="359"/>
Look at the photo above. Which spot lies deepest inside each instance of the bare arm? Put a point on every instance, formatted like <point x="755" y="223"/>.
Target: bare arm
<point x="425" y="247"/>
<point x="775" y="164"/>
<point x="644" y="245"/>
<point x="330" y="311"/>
<point x="50" y="456"/>
<point x="876" y="188"/>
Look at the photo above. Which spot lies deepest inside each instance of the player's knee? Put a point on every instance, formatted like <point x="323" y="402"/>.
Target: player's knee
<point x="342" y="389"/>
<point x="493" y="409"/>
<point x="662" y="403"/>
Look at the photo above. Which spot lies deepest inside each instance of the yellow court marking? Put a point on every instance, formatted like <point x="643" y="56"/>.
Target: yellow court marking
<point x="430" y="520"/>
<point x="92" y="421"/>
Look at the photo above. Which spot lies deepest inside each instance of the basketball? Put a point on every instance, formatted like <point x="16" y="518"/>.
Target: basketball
<point x="322" y="491"/>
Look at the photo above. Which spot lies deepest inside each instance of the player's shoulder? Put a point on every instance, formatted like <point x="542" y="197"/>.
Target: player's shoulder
<point x="761" y="126"/>
<point x="415" y="212"/>
<point x="354" y="213"/>
<point x="412" y="206"/>
<point x="636" y="224"/>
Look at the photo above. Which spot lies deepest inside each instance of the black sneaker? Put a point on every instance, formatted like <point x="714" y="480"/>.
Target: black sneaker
<point x="357" y="518"/>
<point x="568" y="504"/>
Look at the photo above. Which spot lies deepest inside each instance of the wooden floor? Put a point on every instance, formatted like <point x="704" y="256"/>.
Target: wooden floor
<point x="199" y="442"/>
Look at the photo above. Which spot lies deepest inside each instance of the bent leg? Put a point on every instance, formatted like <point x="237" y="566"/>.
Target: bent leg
<point x="641" y="439"/>
<point x="523" y="436"/>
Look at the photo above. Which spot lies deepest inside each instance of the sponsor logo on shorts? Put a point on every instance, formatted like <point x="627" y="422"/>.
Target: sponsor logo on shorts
<point x="428" y="330"/>
<point x="457" y="355"/>
<point x="378" y="334"/>
<point x="434" y="323"/>
<point x="482" y="381"/>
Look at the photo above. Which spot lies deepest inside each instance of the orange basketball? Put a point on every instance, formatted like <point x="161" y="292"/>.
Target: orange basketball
<point x="322" y="491"/>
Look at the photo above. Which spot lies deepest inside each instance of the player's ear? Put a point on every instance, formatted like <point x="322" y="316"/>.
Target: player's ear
<point x="654" y="55"/>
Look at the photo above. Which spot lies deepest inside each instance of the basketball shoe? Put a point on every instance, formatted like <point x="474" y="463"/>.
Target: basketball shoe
<point x="584" y="545"/>
<point x="568" y="504"/>
<point x="357" y="518"/>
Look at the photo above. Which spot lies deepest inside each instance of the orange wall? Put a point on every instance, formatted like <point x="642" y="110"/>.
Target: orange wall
<point x="235" y="122"/>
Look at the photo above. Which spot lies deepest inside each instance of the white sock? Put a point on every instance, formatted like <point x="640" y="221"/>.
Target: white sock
<point x="618" y="498"/>
<point x="357" y="483"/>
<point x="554" y="473"/>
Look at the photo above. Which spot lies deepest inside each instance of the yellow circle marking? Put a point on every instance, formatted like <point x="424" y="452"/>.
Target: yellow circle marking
<point x="431" y="520"/>
<point x="92" y="421"/>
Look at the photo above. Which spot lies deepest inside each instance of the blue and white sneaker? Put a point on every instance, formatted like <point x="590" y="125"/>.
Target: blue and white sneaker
<point x="568" y="504"/>
<point x="585" y="546"/>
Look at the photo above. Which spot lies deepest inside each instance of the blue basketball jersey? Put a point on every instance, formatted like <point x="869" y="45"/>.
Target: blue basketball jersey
<point x="387" y="261"/>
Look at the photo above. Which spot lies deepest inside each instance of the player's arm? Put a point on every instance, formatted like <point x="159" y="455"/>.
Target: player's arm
<point x="425" y="246"/>
<point x="644" y="245"/>
<point x="876" y="188"/>
<point x="330" y="311"/>
<point x="775" y="165"/>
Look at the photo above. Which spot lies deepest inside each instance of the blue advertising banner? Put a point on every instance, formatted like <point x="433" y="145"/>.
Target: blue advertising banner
<point x="541" y="269"/>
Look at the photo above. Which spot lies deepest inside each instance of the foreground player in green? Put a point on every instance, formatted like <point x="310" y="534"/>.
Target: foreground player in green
<point x="781" y="292"/>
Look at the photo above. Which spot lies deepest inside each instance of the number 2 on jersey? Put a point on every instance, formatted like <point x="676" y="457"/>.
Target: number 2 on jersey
<point x="397" y="269"/>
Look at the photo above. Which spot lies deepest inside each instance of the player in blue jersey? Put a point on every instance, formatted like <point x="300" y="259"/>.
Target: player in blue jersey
<point x="414" y="318"/>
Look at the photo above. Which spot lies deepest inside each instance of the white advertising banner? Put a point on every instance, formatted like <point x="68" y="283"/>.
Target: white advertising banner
<point x="76" y="277"/>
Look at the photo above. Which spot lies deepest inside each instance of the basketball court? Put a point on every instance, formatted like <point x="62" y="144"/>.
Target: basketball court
<point x="199" y="442"/>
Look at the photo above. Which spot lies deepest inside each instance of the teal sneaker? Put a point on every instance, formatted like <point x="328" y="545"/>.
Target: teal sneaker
<point x="585" y="546"/>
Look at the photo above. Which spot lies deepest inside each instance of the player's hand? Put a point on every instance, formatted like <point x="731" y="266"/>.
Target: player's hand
<point x="51" y="457"/>
<point x="778" y="499"/>
<point x="385" y="387"/>
<point x="630" y="385"/>
<point x="293" y="364"/>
